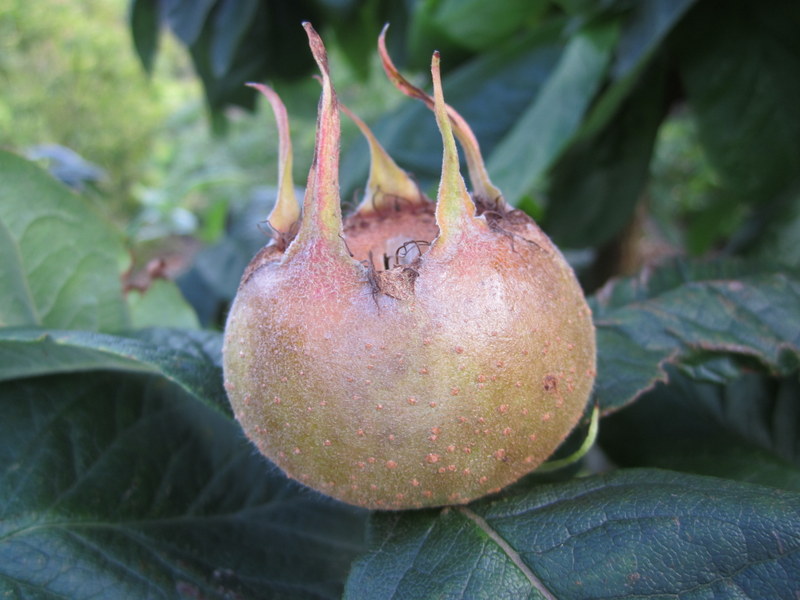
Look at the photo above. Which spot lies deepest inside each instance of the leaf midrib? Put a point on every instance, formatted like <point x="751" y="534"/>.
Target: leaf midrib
<point x="509" y="551"/>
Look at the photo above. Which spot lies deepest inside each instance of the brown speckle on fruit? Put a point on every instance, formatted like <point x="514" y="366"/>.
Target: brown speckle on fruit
<point x="340" y="327"/>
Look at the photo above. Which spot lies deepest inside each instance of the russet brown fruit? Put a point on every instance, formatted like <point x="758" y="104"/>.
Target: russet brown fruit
<point x="414" y="354"/>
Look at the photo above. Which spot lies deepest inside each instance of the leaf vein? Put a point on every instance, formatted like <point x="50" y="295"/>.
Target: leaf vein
<point x="512" y="554"/>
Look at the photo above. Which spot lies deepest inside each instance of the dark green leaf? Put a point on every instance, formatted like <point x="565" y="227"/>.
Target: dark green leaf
<point x="746" y="430"/>
<point x="426" y="34"/>
<point x="596" y="186"/>
<point x="145" y="30"/>
<point x="273" y="46"/>
<point x="740" y="74"/>
<point x="341" y="7"/>
<point x="783" y="231"/>
<point x="708" y="321"/>
<point x="356" y="35"/>
<point x="229" y="87"/>
<point x="540" y="135"/>
<point x="649" y="24"/>
<point x="230" y="24"/>
<point x="61" y="262"/>
<point x="188" y="17"/>
<point x="119" y="487"/>
<point x="479" y="25"/>
<point x="190" y="359"/>
<point x="631" y="534"/>
<point x="588" y="8"/>
<point x="646" y="26"/>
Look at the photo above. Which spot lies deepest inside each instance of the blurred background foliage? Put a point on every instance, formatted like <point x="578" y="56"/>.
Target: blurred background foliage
<point x="632" y="130"/>
<point x="69" y="78"/>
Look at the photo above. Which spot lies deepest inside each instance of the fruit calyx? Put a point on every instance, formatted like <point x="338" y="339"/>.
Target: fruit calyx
<point x="486" y="196"/>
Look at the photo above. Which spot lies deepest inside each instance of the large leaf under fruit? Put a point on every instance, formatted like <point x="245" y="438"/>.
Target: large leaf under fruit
<point x="632" y="534"/>
<point x="118" y="486"/>
<point x="711" y="320"/>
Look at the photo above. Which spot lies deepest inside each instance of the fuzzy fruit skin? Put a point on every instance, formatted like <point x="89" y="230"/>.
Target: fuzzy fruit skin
<point x="437" y="397"/>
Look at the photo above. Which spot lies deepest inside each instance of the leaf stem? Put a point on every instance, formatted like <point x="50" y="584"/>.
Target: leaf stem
<point x="588" y="442"/>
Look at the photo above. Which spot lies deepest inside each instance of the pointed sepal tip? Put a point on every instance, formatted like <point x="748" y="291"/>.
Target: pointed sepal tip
<point x="453" y="203"/>
<point x="285" y="216"/>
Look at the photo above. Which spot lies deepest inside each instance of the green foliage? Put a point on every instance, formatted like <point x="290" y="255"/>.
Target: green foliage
<point x="61" y="264"/>
<point x="744" y="430"/>
<point x="712" y="320"/>
<point x="189" y="359"/>
<point x="69" y="78"/>
<point x="650" y="129"/>
<point x="630" y="534"/>
<point x="150" y="496"/>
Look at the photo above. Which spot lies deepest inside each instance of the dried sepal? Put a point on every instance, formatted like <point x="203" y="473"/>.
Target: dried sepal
<point x="285" y="216"/>
<point x="484" y="190"/>
<point x="322" y="215"/>
<point x="387" y="184"/>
